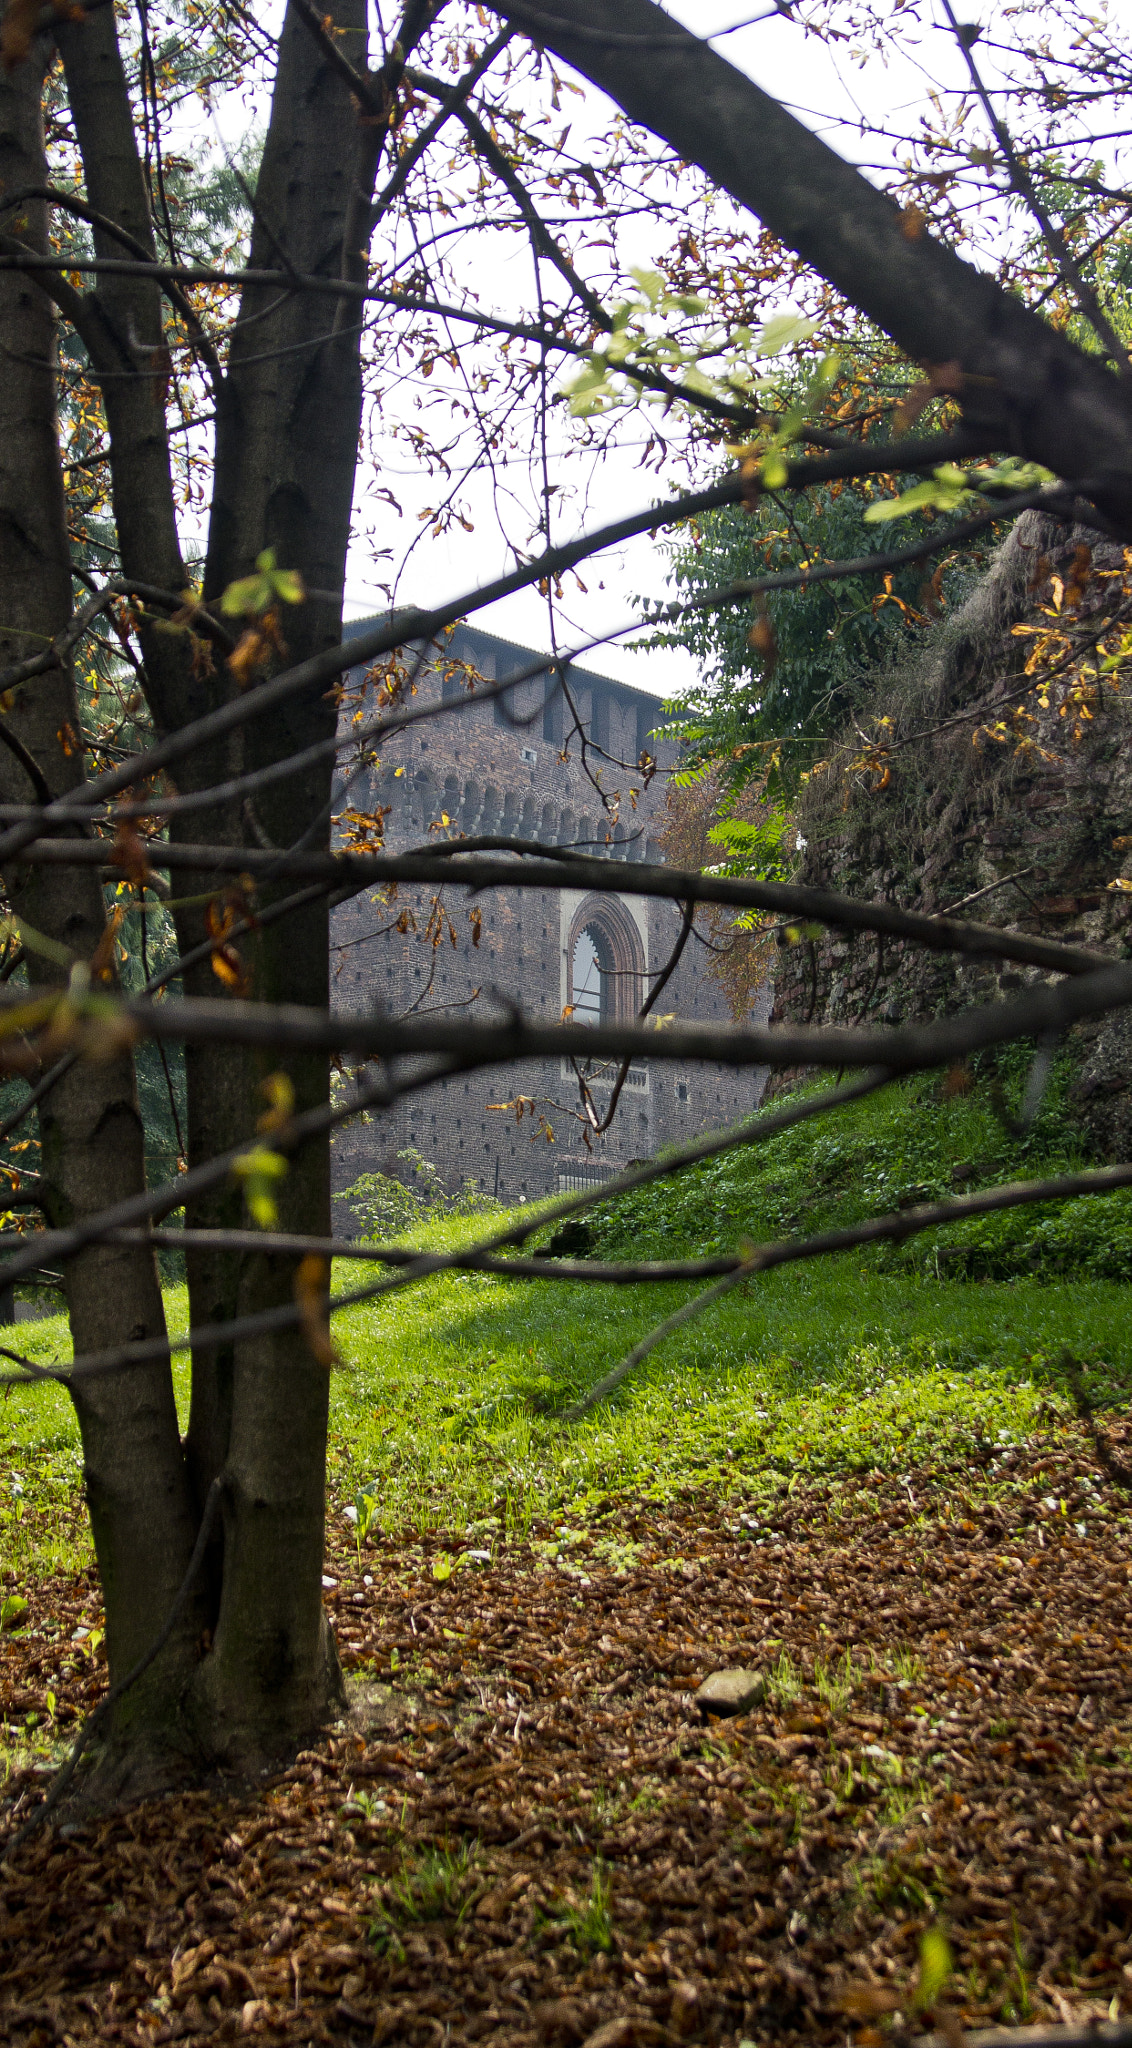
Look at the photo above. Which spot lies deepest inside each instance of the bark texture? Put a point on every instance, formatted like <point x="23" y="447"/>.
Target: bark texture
<point x="288" y="421"/>
<point x="286" y="448"/>
<point x="92" y="1141"/>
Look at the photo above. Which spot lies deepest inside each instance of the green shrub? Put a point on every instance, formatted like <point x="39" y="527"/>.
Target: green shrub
<point x="388" y="1208"/>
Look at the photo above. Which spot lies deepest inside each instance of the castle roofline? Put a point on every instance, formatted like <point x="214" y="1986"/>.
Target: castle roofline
<point x="481" y="642"/>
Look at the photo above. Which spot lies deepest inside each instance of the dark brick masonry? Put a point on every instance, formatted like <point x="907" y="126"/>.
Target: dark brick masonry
<point x="1036" y="836"/>
<point x="491" y="775"/>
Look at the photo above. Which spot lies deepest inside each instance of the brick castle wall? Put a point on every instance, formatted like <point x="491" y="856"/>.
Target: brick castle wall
<point x="490" y="775"/>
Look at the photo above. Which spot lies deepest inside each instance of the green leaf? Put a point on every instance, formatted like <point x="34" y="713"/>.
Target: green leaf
<point x="259" y="1170"/>
<point x="1012" y="474"/>
<point x="442" y="1568"/>
<point x="947" y="489"/>
<point x="780" y="332"/>
<point x="288" y="585"/>
<point x="254" y="594"/>
<point x="824" y="378"/>
<point x="697" y="380"/>
<point x="13" y="1610"/>
<point x="246" y="594"/>
<point x="591" y="402"/>
<point x="774" y="470"/>
<point x="588" y="378"/>
<point x="650" y="281"/>
<point x="935" y="1967"/>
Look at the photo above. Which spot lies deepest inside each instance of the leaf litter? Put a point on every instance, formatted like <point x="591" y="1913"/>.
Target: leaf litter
<point x="526" y="1833"/>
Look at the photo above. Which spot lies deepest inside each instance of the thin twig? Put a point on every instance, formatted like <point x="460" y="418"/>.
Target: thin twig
<point x="877" y="1230"/>
<point x="676" y="1321"/>
<point x="1056" y="498"/>
<point x="977" y="895"/>
<point x="601" y="1124"/>
<point x="421" y="142"/>
<point x="1058" y="248"/>
<point x="612" y="1272"/>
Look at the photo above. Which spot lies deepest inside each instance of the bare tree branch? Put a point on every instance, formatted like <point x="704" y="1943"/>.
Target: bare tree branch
<point x="612" y="1272"/>
<point x="70" y="202"/>
<point x="1051" y="401"/>
<point x="676" y="1321"/>
<point x="1040" y="1012"/>
<point x="1055" y="241"/>
<point x="410" y="626"/>
<point x="562" y="868"/>
<point x="163" y="1200"/>
<point x="877" y="1230"/>
<point x="744" y="1265"/>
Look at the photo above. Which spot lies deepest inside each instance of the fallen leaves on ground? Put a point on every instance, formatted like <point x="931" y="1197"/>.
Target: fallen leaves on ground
<point x="526" y="1833"/>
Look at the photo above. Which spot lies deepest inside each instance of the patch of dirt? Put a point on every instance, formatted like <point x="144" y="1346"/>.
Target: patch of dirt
<point x="541" y="1842"/>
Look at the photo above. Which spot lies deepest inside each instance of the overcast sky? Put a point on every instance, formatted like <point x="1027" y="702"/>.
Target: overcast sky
<point x="886" y="88"/>
<point x="779" y="56"/>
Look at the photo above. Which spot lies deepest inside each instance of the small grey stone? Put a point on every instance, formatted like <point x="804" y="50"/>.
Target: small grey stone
<point x="731" y="1692"/>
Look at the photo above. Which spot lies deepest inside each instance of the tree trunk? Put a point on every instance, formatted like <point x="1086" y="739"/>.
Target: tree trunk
<point x="286" y="451"/>
<point x="91" y="1134"/>
<point x="288" y="421"/>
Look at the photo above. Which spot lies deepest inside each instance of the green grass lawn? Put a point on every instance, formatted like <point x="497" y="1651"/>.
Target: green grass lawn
<point x="814" y="1370"/>
<point x="444" y="1405"/>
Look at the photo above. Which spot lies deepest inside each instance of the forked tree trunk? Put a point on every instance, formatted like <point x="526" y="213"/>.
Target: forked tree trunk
<point x="288" y="422"/>
<point x="92" y="1141"/>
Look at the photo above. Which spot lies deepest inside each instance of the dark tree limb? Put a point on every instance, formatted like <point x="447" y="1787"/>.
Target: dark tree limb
<point x="756" y="1259"/>
<point x="794" y="902"/>
<point x="1048" y="400"/>
<point x="878" y="1230"/>
<point x="1040" y="1012"/>
<point x="410" y="626"/>
<point x="70" y="202"/>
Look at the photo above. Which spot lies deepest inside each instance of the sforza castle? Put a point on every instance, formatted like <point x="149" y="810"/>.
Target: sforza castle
<point x="511" y="767"/>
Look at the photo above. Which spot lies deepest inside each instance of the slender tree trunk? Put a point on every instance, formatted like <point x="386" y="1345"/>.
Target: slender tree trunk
<point x="286" y="451"/>
<point x="178" y="689"/>
<point x="92" y="1141"/>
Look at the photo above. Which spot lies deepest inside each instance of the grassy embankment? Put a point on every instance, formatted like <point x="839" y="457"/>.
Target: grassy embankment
<point x="444" y="1404"/>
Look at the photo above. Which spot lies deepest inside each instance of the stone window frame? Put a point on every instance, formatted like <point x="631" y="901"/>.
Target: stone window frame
<point x="623" y="941"/>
